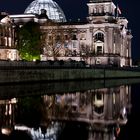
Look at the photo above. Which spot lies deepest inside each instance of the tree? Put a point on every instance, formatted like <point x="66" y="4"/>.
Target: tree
<point x="56" y="40"/>
<point x="52" y="39"/>
<point x="29" y="41"/>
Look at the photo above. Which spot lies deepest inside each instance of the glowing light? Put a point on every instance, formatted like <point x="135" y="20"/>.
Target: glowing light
<point x="5" y="131"/>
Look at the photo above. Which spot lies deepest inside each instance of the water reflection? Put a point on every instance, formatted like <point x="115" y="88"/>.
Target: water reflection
<point x="104" y="110"/>
<point x="94" y="114"/>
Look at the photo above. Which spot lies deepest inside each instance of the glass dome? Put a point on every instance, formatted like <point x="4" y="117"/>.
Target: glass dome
<point x="54" y="12"/>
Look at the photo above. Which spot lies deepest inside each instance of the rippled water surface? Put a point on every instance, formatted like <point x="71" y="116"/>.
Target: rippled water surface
<point x="80" y="110"/>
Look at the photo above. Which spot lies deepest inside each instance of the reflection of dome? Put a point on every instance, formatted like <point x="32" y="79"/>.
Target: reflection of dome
<point x="54" y="12"/>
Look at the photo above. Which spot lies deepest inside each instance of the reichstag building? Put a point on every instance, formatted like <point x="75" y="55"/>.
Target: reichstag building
<point x="103" y="39"/>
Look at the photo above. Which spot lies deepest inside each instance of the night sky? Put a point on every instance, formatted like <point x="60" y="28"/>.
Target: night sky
<point x="75" y="9"/>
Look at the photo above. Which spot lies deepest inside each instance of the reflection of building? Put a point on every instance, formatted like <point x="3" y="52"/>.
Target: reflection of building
<point x="104" y="39"/>
<point x="7" y="112"/>
<point x="103" y="109"/>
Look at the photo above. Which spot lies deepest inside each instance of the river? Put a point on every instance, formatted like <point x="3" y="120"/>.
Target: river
<point x="74" y="110"/>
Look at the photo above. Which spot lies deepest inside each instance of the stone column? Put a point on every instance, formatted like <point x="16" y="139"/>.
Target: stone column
<point x="106" y="41"/>
<point x="110" y="40"/>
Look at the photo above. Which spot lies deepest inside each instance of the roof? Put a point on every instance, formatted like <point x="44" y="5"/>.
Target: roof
<point x="53" y="10"/>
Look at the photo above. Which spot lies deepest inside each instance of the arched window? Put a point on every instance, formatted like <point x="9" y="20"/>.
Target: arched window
<point x="99" y="37"/>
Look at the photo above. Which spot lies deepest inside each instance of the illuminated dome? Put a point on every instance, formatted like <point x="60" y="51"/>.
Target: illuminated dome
<point x="54" y="12"/>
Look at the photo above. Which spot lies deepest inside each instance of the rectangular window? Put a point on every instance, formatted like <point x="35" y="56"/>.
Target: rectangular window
<point x="74" y="44"/>
<point x="99" y="50"/>
<point x="82" y="37"/>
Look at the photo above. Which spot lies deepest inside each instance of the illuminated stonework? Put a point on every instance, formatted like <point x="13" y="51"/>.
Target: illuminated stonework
<point x="54" y="12"/>
<point x="103" y="40"/>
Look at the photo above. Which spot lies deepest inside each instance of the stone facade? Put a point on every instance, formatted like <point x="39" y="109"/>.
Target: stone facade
<point x="103" y="40"/>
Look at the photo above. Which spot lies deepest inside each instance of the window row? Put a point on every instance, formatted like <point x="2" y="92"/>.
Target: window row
<point x="66" y="37"/>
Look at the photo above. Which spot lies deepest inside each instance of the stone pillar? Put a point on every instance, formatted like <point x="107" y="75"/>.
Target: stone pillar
<point x="110" y="40"/>
<point x="89" y="39"/>
<point x="106" y="41"/>
<point x="118" y="41"/>
<point x="129" y="48"/>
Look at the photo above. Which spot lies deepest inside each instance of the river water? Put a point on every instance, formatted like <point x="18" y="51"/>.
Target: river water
<point x="80" y="110"/>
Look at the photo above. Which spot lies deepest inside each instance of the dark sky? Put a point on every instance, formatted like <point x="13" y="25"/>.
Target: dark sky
<point x="75" y="9"/>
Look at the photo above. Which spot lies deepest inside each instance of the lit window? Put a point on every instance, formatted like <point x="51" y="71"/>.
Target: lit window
<point x="82" y="37"/>
<point x="74" y="44"/>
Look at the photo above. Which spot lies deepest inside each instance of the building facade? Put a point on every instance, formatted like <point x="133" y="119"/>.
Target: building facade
<point x="104" y="39"/>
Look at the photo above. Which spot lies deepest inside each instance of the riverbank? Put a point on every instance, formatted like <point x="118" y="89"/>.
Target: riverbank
<point x="14" y="72"/>
<point x="49" y="88"/>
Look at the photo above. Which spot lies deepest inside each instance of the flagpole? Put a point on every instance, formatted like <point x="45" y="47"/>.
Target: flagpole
<point x="117" y="14"/>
